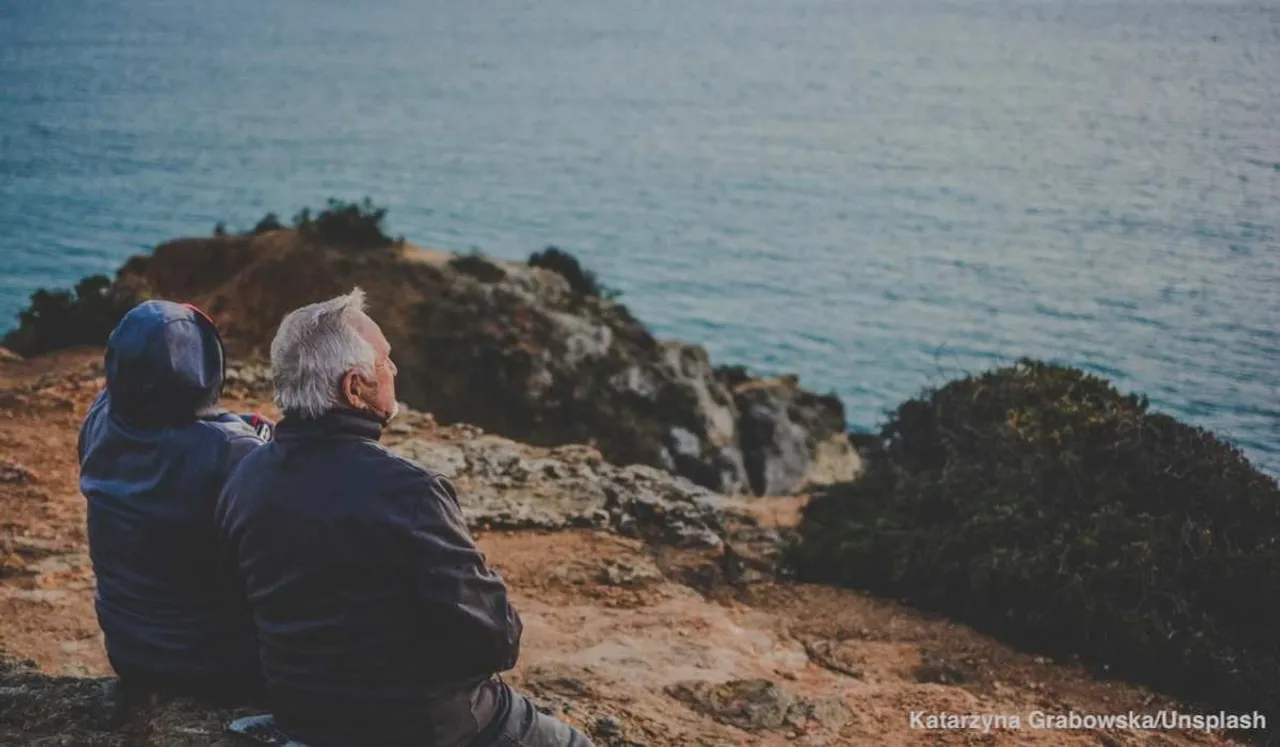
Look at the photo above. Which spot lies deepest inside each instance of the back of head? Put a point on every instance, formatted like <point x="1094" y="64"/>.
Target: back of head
<point x="165" y="364"/>
<point x="313" y="349"/>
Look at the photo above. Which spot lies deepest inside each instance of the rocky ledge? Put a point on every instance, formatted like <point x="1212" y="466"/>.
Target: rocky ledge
<point x="507" y="485"/>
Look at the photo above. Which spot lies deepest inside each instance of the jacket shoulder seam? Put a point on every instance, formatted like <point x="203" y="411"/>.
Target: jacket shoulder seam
<point x="409" y="464"/>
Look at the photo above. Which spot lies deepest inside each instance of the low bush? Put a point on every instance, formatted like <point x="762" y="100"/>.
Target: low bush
<point x="1038" y="503"/>
<point x="269" y="222"/>
<point x="84" y="315"/>
<point x="581" y="280"/>
<point x="732" y="375"/>
<point x="478" y="266"/>
<point x="346" y="225"/>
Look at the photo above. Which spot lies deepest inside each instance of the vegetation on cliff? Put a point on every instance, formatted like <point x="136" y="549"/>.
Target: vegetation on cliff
<point x="1039" y="503"/>
<point x="344" y="225"/>
<point x="86" y="314"/>
<point x="340" y="224"/>
<point x="478" y="266"/>
<point x="581" y="280"/>
<point x="61" y="318"/>
<point x="267" y="223"/>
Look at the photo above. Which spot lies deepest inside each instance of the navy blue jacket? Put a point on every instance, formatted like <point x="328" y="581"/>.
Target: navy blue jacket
<point x="366" y="586"/>
<point x="154" y="453"/>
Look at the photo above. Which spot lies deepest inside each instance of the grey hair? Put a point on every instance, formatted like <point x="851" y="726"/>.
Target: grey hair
<point x="313" y="349"/>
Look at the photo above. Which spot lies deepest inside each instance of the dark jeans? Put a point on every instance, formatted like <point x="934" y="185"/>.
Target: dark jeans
<point x="521" y="724"/>
<point x="489" y="715"/>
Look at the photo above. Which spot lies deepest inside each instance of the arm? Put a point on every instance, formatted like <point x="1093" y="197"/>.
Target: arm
<point x="463" y="604"/>
<point x="99" y="403"/>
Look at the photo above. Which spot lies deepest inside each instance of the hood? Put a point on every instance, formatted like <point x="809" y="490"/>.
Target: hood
<point x="165" y="364"/>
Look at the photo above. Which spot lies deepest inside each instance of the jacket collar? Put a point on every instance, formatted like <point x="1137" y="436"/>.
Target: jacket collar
<point x="337" y="422"/>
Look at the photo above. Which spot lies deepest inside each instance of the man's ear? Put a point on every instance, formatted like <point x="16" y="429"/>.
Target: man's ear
<point x="353" y="390"/>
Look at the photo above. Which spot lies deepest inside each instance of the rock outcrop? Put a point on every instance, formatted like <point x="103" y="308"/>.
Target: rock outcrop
<point x="515" y="350"/>
<point x="507" y="485"/>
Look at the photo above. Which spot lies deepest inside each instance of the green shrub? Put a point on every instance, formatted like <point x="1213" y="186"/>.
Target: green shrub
<point x="732" y="375"/>
<point x="346" y="225"/>
<point x="269" y="222"/>
<point x="61" y="318"/>
<point x="581" y="280"/>
<point x="478" y="266"/>
<point x="1040" y="504"/>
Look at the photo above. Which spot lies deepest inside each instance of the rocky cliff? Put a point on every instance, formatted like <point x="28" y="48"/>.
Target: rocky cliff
<point x="517" y="350"/>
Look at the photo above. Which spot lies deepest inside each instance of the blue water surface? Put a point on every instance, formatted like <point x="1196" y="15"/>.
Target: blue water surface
<point x="877" y="195"/>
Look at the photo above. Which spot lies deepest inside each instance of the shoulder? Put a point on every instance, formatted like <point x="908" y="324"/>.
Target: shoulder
<point x="398" y="468"/>
<point x="405" y="482"/>
<point x="234" y="439"/>
<point x="225" y="430"/>
<point x="100" y="409"/>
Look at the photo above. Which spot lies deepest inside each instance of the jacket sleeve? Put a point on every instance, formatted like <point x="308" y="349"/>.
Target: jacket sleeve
<point x="463" y="604"/>
<point x="90" y="419"/>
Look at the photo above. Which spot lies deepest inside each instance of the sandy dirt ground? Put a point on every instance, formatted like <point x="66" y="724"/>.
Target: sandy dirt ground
<point x="640" y="645"/>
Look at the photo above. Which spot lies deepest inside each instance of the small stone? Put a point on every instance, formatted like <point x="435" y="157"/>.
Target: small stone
<point x="832" y="712"/>
<point x="14" y="473"/>
<point x="608" y="726"/>
<point x="621" y="573"/>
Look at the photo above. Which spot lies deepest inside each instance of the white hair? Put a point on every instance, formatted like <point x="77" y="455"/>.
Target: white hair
<point x="314" y="349"/>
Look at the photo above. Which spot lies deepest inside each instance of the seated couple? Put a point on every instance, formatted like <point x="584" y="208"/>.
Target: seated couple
<point x="301" y="566"/>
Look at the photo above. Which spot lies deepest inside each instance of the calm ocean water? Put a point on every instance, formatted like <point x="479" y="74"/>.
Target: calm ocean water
<point x="878" y="195"/>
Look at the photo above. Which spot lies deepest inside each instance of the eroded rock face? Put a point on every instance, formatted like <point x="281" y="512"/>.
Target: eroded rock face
<point x="516" y="351"/>
<point x="790" y="437"/>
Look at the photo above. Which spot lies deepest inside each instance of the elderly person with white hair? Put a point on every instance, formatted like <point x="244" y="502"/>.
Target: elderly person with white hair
<point x="378" y="621"/>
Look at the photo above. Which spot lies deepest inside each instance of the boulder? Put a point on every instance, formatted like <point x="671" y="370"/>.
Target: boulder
<point x="506" y="485"/>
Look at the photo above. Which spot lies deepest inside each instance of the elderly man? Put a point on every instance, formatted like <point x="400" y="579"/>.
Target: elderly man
<point x="378" y="621"/>
<point x="154" y="454"/>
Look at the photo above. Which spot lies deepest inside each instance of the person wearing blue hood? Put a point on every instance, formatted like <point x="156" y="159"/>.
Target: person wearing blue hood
<point x="154" y="452"/>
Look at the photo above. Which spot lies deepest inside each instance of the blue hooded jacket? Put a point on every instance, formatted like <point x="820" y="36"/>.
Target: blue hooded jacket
<point x="154" y="453"/>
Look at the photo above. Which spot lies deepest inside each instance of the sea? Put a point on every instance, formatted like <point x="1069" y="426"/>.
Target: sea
<point x="878" y="195"/>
